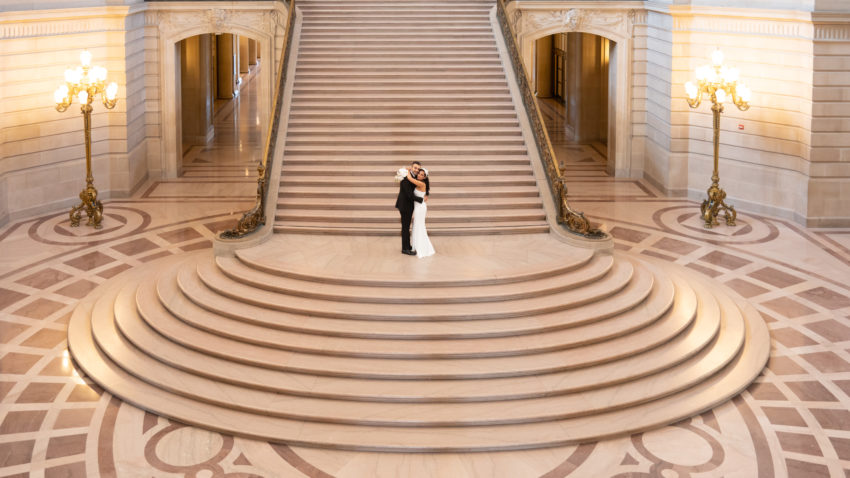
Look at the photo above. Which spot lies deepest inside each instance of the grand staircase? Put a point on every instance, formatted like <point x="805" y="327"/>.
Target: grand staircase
<point x="325" y="336"/>
<point x="381" y="84"/>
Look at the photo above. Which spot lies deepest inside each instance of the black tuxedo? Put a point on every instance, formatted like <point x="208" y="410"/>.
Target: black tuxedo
<point x="404" y="204"/>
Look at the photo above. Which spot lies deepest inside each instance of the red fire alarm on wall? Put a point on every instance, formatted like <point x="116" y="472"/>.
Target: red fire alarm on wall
<point x="740" y="126"/>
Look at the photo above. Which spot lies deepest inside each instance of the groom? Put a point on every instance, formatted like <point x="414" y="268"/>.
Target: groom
<point x="404" y="204"/>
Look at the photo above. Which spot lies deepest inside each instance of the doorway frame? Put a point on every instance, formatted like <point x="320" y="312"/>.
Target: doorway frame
<point x="170" y="156"/>
<point x="538" y="24"/>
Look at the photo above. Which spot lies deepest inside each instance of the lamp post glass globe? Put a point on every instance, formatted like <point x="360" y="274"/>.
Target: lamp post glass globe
<point x="85" y="82"/>
<point x="720" y="84"/>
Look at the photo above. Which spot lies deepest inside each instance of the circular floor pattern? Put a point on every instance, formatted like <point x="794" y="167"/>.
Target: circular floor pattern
<point x="686" y="220"/>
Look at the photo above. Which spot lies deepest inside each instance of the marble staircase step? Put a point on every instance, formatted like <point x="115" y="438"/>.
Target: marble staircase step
<point x="424" y="51"/>
<point x="391" y="74"/>
<point x="542" y="262"/>
<point x="243" y="273"/>
<point x="449" y="229"/>
<point x="446" y="183"/>
<point x="664" y="332"/>
<point x="393" y="163"/>
<point x="412" y="105"/>
<point x="637" y="304"/>
<point x="175" y="317"/>
<point x="473" y="116"/>
<point x="365" y="204"/>
<point x="390" y="216"/>
<point x="361" y="130"/>
<point x="349" y="388"/>
<point x="379" y="171"/>
<point x="433" y="439"/>
<point x="389" y="191"/>
<point x="411" y="150"/>
<point x="215" y="281"/>
<point x="444" y="439"/>
<point x="355" y="30"/>
<point x="338" y="140"/>
<point x="448" y="414"/>
<point x="402" y="97"/>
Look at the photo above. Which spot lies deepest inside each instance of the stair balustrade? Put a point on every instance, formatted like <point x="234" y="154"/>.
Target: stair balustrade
<point x="255" y="217"/>
<point x="575" y="221"/>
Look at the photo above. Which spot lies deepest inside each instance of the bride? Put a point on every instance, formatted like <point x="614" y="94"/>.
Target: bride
<point x="418" y="234"/>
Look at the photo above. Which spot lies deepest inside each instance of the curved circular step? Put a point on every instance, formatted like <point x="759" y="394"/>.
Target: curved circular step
<point x="503" y="422"/>
<point x="368" y="344"/>
<point x="204" y="303"/>
<point x="237" y="271"/>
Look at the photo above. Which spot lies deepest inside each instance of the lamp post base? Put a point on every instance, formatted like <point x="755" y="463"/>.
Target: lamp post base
<point x="92" y="206"/>
<point x="713" y="205"/>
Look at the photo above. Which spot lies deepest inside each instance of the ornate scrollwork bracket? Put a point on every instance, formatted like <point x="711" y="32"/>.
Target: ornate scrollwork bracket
<point x="254" y="217"/>
<point x="574" y="220"/>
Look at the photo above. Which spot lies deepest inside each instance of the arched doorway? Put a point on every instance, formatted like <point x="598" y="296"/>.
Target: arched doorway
<point x="171" y="123"/>
<point x="575" y="90"/>
<point x="615" y="25"/>
<point x="212" y="70"/>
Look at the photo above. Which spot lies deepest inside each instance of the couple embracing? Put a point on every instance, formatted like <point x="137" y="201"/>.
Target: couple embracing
<point x="413" y="191"/>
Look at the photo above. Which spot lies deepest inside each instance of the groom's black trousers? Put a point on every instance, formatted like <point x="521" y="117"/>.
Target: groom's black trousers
<point x="406" y="216"/>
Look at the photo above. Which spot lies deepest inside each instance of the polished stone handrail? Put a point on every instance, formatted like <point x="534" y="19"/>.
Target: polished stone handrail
<point x="574" y="221"/>
<point x="255" y="217"/>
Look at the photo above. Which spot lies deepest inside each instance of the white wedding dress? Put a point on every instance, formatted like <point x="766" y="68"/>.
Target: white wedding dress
<point x="418" y="234"/>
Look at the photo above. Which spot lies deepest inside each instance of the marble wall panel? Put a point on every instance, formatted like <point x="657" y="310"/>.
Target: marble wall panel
<point x="658" y="167"/>
<point x="37" y="139"/>
<point x="829" y="182"/>
<point x="764" y="151"/>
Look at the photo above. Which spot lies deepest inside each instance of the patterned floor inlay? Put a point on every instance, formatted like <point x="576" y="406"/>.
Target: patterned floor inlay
<point x="794" y="421"/>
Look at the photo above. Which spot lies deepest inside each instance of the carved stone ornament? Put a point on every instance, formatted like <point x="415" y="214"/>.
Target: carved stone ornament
<point x="620" y="22"/>
<point x="516" y="21"/>
<point x="217" y="18"/>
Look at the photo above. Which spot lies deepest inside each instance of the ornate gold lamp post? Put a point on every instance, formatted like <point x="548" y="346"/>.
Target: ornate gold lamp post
<point x="86" y="82"/>
<point x="720" y="84"/>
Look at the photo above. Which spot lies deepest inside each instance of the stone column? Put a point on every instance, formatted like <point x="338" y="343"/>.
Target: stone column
<point x="225" y="65"/>
<point x="587" y="87"/>
<point x="195" y="90"/>
<point x="252" y="52"/>
<point x="543" y="62"/>
<point x="243" y="55"/>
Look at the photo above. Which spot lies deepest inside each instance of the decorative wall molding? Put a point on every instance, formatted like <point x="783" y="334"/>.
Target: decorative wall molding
<point x="832" y="32"/>
<point x="215" y="20"/>
<point x="746" y="26"/>
<point x="96" y="20"/>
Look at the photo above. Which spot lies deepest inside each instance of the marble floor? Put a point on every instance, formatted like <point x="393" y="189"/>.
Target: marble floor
<point x="794" y="421"/>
